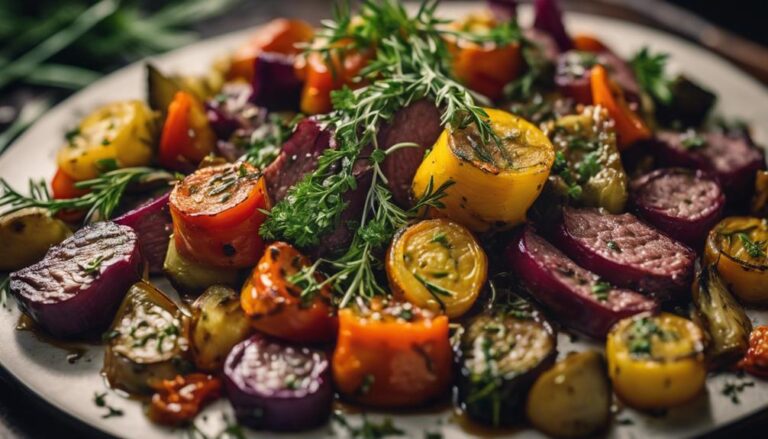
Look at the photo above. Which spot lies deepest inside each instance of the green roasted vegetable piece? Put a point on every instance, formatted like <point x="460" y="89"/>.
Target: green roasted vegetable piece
<point x="192" y="277"/>
<point x="218" y="324"/>
<point x="26" y="235"/>
<point x="573" y="398"/>
<point x="147" y="341"/>
<point x="722" y="318"/>
<point x="587" y="170"/>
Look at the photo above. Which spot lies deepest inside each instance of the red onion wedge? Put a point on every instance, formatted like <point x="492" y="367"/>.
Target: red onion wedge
<point x="277" y="386"/>
<point x="78" y="286"/>
<point x="626" y="252"/>
<point x="576" y="296"/>
<point x="152" y="224"/>
<point x="682" y="203"/>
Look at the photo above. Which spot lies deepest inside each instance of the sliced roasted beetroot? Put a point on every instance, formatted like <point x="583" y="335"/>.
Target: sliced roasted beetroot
<point x="578" y="297"/>
<point x="297" y="158"/>
<point x="277" y="386"/>
<point x="417" y="123"/>
<point x="548" y="18"/>
<point x="572" y="75"/>
<point x="275" y="84"/>
<point x="682" y="203"/>
<point x="231" y="110"/>
<point x="730" y="157"/>
<point x="152" y="224"/>
<point x="626" y="252"/>
<point x="78" y="286"/>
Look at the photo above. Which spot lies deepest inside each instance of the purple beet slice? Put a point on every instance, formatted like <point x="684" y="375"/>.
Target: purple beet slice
<point x="576" y="296"/>
<point x="152" y="224"/>
<point x="80" y="283"/>
<point x="683" y="203"/>
<point x="626" y="252"/>
<point x="277" y="386"/>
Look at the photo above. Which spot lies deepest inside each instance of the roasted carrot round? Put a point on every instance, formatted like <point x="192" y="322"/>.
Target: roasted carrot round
<point x="322" y="79"/>
<point x="392" y="355"/>
<point x="179" y="400"/>
<point x="276" y="306"/>
<point x="187" y="136"/>
<point x="485" y="68"/>
<point x="630" y="128"/>
<point x="217" y="212"/>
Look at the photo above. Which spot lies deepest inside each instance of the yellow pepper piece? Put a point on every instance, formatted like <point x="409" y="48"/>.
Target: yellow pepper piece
<point x="739" y="248"/>
<point x="656" y="361"/>
<point x="122" y="132"/>
<point x="494" y="184"/>
<point x="437" y="264"/>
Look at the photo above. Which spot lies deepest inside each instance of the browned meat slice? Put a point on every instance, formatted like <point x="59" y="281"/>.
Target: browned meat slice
<point x="297" y="158"/>
<point x="683" y="203"/>
<point x="626" y="252"/>
<point x="730" y="157"/>
<point x="578" y="297"/>
<point x="418" y="123"/>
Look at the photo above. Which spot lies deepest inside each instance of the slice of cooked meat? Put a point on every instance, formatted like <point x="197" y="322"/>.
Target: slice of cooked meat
<point x="626" y="252"/>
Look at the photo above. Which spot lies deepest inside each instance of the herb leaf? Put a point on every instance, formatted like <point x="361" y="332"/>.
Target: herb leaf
<point x="649" y="71"/>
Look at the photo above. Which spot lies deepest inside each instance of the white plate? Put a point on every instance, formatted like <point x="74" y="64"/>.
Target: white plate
<point x="44" y="369"/>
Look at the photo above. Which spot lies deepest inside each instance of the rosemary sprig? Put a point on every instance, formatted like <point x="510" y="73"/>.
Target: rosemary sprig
<point x="411" y="62"/>
<point x="105" y="194"/>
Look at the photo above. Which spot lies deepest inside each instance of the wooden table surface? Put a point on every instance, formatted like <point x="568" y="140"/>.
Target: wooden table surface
<point x="23" y="416"/>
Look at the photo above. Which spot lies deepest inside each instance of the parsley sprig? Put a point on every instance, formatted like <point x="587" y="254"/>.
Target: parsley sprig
<point x="649" y="69"/>
<point x="105" y="194"/>
<point x="410" y="61"/>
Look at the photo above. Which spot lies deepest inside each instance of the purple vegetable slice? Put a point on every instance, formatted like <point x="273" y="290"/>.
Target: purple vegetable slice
<point x="78" y="286"/>
<point x="152" y="224"/>
<point x="277" y="386"/>
<point x="576" y="296"/>
<point x="549" y="18"/>
<point x="231" y="111"/>
<point x="730" y="157"/>
<point x="492" y="382"/>
<point x="298" y="157"/>
<point x="682" y="203"/>
<point x="627" y="252"/>
<point x="275" y="84"/>
<point x="417" y="123"/>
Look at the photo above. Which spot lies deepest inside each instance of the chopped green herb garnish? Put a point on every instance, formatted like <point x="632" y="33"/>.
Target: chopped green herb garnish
<point x="691" y="140"/>
<point x="93" y="265"/>
<point x="641" y="334"/>
<point x="100" y="399"/>
<point x="732" y="389"/>
<point x="441" y="239"/>
<point x="366" y="384"/>
<point x="369" y="429"/>
<point x="755" y="249"/>
<point x="601" y="290"/>
<point x="589" y="166"/>
<point x="650" y="72"/>
<point x="613" y="246"/>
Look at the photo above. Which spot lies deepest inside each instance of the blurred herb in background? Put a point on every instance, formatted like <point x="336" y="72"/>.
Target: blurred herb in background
<point x="59" y="46"/>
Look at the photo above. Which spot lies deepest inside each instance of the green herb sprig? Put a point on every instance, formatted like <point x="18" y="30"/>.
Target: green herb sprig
<point x="410" y="62"/>
<point x="649" y="70"/>
<point x="105" y="194"/>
